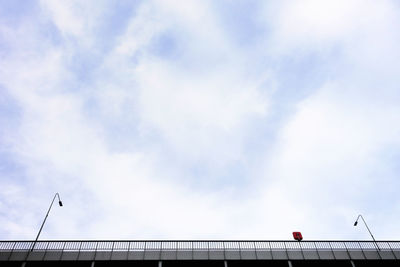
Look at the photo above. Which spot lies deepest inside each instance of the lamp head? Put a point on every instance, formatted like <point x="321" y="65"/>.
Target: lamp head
<point x="60" y="203"/>
<point x="355" y="224"/>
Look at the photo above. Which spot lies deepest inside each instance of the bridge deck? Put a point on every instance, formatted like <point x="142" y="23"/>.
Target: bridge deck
<point x="165" y="250"/>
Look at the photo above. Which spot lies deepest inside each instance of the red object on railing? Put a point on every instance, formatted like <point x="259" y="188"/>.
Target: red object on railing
<point x="297" y="236"/>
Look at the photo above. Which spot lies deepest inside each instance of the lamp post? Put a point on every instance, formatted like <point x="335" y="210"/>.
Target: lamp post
<point x="366" y="225"/>
<point x="47" y="214"/>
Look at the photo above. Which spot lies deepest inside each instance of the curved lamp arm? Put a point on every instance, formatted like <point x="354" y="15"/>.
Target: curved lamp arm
<point x="47" y="214"/>
<point x="366" y="225"/>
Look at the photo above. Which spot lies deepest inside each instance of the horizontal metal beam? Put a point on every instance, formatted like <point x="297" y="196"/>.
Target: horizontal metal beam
<point x="137" y="245"/>
<point x="197" y="250"/>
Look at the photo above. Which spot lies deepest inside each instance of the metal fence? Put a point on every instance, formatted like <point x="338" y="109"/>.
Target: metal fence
<point x="187" y="245"/>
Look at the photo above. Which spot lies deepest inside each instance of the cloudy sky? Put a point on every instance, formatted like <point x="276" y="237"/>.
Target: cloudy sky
<point x="200" y="119"/>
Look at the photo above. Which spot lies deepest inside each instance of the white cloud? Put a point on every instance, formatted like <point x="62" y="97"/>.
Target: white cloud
<point x="56" y="137"/>
<point x="75" y="19"/>
<point x="320" y="25"/>
<point x="201" y="117"/>
<point x="330" y="157"/>
<point x="198" y="109"/>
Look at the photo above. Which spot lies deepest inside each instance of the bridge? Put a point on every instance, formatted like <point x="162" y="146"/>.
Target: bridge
<point x="223" y="253"/>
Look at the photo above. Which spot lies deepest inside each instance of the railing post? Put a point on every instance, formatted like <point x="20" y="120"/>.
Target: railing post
<point x="11" y="252"/>
<point x="208" y="250"/>
<point x="391" y="249"/>
<point x="333" y="253"/>
<point x="347" y="250"/>
<point x="45" y="252"/>
<point x="255" y="249"/>
<point x="112" y="250"/>
<point x="129" y="247"/>
<point x="79" y="250"/>
<point x="287" y="253"/>
<point x="378" y="251"/>
<point x="62" y="250"/>
<point x="192" y="251"/>
<point x="316" y="249"/>
<point x="301" y="250"/>
<point x="160" y="254"/>
<point x="362" y="250"/>
<point x="27" y="255"/>
<point x="176" y="252"/>
<point x="144" y="249"/>
<point x="95" y="251"/>
<point x="240" y="251"/>
<point x="223" y="247"/>
<point x="270" y="249"/>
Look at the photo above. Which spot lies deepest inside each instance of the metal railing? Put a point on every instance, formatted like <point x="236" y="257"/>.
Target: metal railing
<point x="195" y="245"/>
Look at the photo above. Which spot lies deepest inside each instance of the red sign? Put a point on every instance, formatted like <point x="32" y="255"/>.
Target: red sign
<point x="297" y="236"/>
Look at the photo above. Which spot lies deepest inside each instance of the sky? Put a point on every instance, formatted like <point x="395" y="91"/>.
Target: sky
<point x="168" y="119"/>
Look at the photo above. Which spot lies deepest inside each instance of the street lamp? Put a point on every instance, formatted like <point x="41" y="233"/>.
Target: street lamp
<point x="355" y="224"/>
<point x="47" y="214"/>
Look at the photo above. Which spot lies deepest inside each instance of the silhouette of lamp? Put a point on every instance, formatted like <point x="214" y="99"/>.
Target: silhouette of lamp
<point x="47" y="214"/>
<point x="366" y="225"/>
